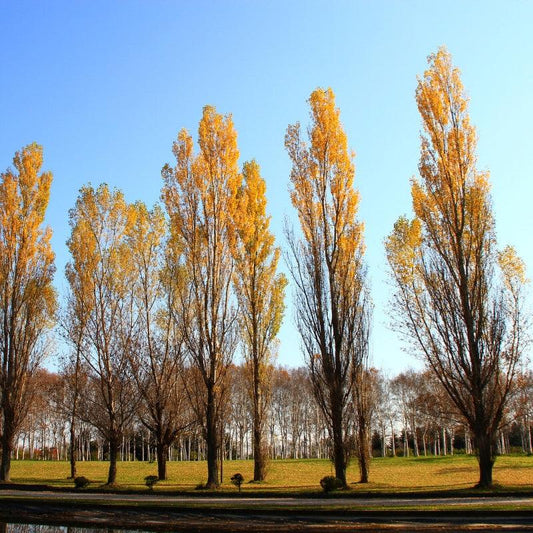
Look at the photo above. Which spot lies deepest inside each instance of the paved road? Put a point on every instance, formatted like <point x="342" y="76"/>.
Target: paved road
<point x="355" y="502"/>
<point x="205" y="514"/>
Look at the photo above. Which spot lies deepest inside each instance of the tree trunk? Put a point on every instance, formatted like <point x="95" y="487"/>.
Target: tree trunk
<point x="5" y="466"/>
<point x="259" y="455"/>
<point x="211" y="440"/>
<point x="485" y="454"/>
<point x="364" y="452"/>
<point x="468" y="444"/>
<point x="259" y="451"/>
<point x="415" y="441"/>
<point x="339" y="452"/>
<point x="113" y="455"/>
<point x="162" y="451"/>
<point x="405" y="441"/>
<point x="452" y="441"/>
<point x="8" y="437"/>
<point x="221" y="448"/>
<point x="72" y="450"/>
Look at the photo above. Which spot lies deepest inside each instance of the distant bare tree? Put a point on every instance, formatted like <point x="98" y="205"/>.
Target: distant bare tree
<point x="522" y="408"/>
<point x="74" y="381"/>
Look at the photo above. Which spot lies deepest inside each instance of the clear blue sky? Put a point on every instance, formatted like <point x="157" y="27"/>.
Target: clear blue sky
<point x="105" y="87"/>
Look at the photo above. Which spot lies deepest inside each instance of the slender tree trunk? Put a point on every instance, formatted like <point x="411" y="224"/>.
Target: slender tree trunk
<point x="415" y="441"/>
<point x="259" y="456"/>
<point x="503" y="447"/>
<point x="339" y="452"/>
<point x="114" y="445"/>
<point x="452" y="441"/>
<point x="162" y="453"/>
<point x="364" y="452"/>
<point x="72" y="453"/>
<point x="259" y="451"/>
<point x="211" y="440"/>
<point x="74" y="411"/>
<point x="221" y="447"/>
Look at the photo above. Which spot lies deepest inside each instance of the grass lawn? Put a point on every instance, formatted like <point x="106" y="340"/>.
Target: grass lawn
<point x="386" y="475"/>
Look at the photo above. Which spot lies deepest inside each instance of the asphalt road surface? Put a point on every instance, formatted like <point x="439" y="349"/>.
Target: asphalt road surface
<point x="271" y="502"/>
<point x="206" y="513"/>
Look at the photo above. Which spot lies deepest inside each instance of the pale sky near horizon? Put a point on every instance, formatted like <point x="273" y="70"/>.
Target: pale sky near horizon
<point x="106" y="86"/>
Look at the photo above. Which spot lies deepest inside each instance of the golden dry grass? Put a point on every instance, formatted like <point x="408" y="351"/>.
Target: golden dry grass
<point x="387" y="474"/>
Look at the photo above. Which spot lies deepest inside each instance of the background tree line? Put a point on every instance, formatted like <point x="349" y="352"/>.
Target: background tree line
<point x="411" y="416"/>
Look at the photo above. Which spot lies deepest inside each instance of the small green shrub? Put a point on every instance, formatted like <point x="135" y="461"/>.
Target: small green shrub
<point x="151" y="481"/>
<point x="81" y="482"/>
<point x="237" y="480"/>
<point x="330" y="483"/>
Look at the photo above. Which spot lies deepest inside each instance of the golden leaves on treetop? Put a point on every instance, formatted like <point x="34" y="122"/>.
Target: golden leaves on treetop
<point x="260" y="291"/>
<point x="402" y="246"/>
<point x="25" y="247"/>
<point x="513" y="269"/>
<point x="100" y="222"/>
<point x="451" y="198"/>
<point x="199" y="190"/>
<point x="322" y="177"/>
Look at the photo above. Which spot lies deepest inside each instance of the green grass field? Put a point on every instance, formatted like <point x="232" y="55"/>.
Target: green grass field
<point x="386" y="475"/>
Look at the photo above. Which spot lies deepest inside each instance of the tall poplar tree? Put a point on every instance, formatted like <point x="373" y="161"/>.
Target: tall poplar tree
<point x="331" y="296"/>
<point x="456" y="298"/>
<point x="157" y="360"/>
<point x="28" y="298"/>
<point x="199" y="194"/>
<point x="101" y="222"/>
<point x="260" y="293"/>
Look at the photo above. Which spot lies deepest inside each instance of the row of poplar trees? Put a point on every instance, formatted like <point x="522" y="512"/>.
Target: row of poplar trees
<point x="166" y="298"/>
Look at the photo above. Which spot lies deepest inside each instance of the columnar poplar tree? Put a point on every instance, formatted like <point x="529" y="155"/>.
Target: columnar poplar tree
<point x="260" y="293"/>
<point x="199" y="194"/>
<point x="157" y="359"/>
<point x="331" y="297"/>
<point x="457" y="299"/>
<point x="101" y="222"/>
<point x="28" y="300"/>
